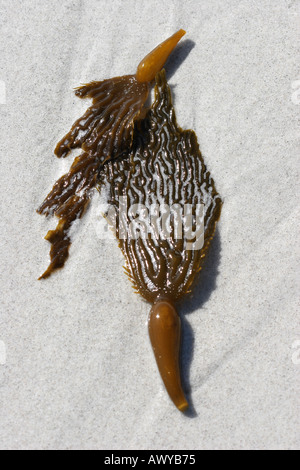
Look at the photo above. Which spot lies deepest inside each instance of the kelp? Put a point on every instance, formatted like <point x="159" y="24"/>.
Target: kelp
<point x="164" y="201"/>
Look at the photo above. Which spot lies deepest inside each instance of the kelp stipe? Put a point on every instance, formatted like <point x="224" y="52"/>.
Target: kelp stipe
<point x="155" y="60"/>
<point x="165" y="335"/>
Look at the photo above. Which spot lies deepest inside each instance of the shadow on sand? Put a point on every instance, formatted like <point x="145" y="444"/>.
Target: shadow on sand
<point x="205" y="285"/>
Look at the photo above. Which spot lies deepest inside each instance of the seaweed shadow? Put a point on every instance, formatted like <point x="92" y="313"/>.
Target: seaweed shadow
<point x="175" y="60"/>
<point x="205" y="285"/>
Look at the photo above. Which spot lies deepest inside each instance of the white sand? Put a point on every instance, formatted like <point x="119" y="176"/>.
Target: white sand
<point x="79" y="371"/>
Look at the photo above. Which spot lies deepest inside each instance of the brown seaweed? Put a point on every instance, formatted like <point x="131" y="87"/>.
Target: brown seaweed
<point x="150" y="167"/>
<point x="165" y="168"/>
<point x="103" y="133"/>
